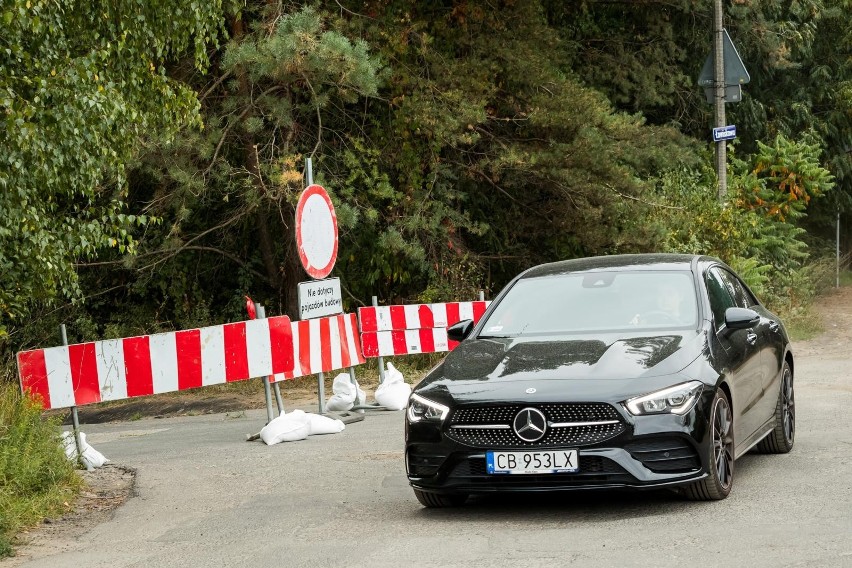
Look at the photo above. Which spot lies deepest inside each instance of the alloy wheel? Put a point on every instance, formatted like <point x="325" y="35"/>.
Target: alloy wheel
<point x="788" y="405"/>
<point x="723" y="443"/>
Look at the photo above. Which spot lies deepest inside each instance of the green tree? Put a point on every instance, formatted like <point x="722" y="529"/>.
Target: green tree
<point x="82" y="86"/>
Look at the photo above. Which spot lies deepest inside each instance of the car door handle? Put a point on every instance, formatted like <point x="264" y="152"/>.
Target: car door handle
<point x="751" y="338"/>
<point x="773" y="326"/>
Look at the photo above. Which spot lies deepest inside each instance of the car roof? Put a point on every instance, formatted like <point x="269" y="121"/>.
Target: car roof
<point x="619" y="262"/>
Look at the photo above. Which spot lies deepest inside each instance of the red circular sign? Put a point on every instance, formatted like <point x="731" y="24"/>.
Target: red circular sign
<point x="316" y="232"/>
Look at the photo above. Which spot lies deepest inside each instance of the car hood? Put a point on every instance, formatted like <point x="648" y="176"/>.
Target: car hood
<point x="600" y="364"/>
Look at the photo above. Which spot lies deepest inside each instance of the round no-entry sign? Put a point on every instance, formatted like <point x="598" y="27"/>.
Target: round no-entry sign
<point x="316" y="231"/>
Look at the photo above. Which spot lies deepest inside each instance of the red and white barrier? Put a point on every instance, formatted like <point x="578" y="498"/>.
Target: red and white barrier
<point x="418" y="316"/>
<point x="323" y="345"/>
<point x="411" y="329"/>
<point x="116" y="369"/>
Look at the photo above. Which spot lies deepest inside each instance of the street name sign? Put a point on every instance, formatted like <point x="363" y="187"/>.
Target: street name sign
<point x="724" y="133"/>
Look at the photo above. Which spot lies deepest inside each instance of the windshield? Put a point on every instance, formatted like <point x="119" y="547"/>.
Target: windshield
<point x="595" y="301"/>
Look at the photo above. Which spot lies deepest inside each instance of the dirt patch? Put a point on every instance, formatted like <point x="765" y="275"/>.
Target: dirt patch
<point x="835" y="309"/>
<point x="104" y="490"/>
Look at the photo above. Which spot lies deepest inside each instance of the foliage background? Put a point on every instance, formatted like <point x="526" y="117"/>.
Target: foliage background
<point x="154" y="162"/>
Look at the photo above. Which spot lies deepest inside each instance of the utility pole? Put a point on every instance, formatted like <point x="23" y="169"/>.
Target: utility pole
<point x="719" y="80"/>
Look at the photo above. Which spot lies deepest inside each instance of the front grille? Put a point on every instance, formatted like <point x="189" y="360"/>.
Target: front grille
<point x="593" y="469"/>
<point x="574" y="436"/>
<point x="569" y="412"/>
<point x="665" y="455"/>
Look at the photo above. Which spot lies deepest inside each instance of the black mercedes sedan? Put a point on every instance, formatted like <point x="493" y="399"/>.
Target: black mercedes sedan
<point x="631" y="371"/>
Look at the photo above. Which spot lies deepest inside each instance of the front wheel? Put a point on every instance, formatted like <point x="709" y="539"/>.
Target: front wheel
<point x="717" y="485"/>
<point x="437" y="501"/>
<point x="780" y="440"/>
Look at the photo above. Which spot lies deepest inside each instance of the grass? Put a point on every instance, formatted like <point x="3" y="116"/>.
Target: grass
<point x="802" y="323"/>
<point x="36" y="479"/>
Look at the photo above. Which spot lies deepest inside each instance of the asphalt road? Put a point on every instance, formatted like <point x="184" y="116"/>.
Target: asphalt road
<point x="207" y="498"/>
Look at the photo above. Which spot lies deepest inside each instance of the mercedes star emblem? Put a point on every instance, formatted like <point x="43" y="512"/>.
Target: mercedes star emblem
<point x="530" y="425"/>
<point x="530" y="390"/>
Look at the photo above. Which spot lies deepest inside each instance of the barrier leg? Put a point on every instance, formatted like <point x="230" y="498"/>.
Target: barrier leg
<point x="358" y="401"/>
<point x="380" y="358"/>
<point x="75" y="418"/>
<point x="321" y="389"/>
<point x="267" y="382"/>
<point x="278" y="400"/>
<point x="268" y="392"/>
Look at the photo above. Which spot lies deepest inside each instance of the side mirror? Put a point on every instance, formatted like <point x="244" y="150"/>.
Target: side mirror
<point x="741" y="318"/>
<point x="459" y="331"/>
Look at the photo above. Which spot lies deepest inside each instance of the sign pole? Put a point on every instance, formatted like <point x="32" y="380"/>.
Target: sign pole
<point x="75" y="419"/>
<point x="719" y="79"/>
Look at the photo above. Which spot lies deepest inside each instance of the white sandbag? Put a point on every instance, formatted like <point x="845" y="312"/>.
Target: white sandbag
<point x="286" y="428"/>
<point x="69" y="445"/>
<point x="318" y="424"/>
<point x="344" y="393"/>
<point x="91" y="458"/>
<point x="393" y="393"/>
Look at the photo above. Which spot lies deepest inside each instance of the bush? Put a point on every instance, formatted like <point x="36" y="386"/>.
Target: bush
<point x="36" y="479"/>
<point x="756" y="233"/>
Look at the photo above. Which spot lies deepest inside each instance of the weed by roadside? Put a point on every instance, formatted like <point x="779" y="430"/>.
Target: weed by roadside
<point x="36" y="479"/>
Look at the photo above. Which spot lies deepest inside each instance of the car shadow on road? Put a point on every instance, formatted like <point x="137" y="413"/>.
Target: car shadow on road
<point x="591" y="505"/>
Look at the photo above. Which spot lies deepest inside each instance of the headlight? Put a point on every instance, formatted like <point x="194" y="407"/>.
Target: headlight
<point x="420" y="408"/>
<point x="678" y="399"/>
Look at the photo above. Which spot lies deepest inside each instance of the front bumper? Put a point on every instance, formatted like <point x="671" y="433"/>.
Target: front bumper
<point x="652" y="452"/>
<point x="601" y="468"/>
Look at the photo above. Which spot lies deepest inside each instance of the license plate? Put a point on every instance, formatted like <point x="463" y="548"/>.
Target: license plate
<point x="550" y="461"/>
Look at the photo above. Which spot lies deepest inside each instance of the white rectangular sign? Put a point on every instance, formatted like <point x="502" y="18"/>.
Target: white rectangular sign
<point x="320" y="298"/>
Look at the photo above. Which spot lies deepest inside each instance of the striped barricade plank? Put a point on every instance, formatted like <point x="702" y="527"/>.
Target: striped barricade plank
<point x="418" y="316"/>
<point x="115" y="369"/>
<point x="324" y="344"/>
<point x="412" y="329"/>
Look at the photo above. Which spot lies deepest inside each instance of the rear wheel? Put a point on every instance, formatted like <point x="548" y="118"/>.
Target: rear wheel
<point x="436" y="500"/>
<point x="780" y="440"/>
<point x="718" y="484"/>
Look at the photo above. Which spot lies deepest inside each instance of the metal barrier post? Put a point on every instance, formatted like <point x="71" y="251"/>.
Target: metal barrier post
<point x="380" y="358"/>
<point x="482" y="295"/>
<point x="267" y="391"/>
<point x="75" y="419"/>
<point x="261" y="314"/>
<point x="358" y="401"/>
<point x="321" y="388"/>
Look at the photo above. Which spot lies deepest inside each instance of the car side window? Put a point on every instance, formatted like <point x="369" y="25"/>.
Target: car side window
<point x="735" y="288"/>
<point x="719" y="295"/>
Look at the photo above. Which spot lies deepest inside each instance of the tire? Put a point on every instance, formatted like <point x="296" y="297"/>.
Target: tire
<point x="780" y="440"/>
<point x="438" y="501"/>
<point x="717" y="485"/>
